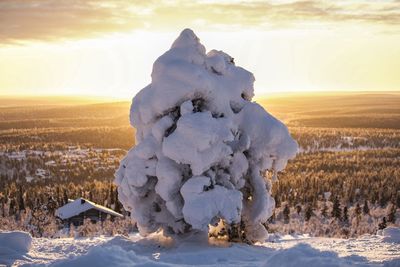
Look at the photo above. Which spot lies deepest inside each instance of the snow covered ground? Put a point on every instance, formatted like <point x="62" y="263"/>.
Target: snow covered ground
<point x="371" y="250"/>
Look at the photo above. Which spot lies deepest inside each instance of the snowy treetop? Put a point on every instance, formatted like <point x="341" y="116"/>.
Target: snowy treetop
<point x="186" y="72"/>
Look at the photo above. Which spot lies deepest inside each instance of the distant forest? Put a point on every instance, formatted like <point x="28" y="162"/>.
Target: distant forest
<point x="345" y="175"/>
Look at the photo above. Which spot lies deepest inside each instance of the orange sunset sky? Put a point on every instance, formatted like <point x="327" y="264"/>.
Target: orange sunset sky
<point x="107" y="47"/>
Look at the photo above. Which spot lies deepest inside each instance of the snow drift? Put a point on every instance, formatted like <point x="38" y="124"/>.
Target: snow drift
<point x="390" y="234"/>
<point x="204" y="152"/>
<point x="13" y="245"/>
<point x="155" y="250"/>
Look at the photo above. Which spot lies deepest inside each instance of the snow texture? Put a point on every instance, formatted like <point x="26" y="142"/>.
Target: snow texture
<point x="204" y="152"/>
<point x="284" y="251"/>
<point x="13" y="245"/>
<point x="390" y="234"/>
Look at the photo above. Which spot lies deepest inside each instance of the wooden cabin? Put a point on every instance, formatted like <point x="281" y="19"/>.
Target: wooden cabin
<point x="78" y="210"/>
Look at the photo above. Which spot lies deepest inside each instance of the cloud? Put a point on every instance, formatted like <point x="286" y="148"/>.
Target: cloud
<point x="61" y="19"/>
<point x="25" y="20"/>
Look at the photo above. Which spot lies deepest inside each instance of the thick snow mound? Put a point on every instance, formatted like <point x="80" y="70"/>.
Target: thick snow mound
<point x="13" y="245"/>
<point x="134" y="251"/>
<point x="391" y="234"/>
<point x="160" y="251"/>
<point x="305" y="255"/>
<point x="15" y="241"/>
<point x="106" y="256"/>
<point x="204" y="152"/>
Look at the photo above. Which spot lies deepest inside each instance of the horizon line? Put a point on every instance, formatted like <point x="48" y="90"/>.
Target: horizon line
<point x="262" y="94"/>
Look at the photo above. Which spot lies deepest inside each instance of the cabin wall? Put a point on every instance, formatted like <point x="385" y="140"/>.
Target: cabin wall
<point x="92" y="214"/>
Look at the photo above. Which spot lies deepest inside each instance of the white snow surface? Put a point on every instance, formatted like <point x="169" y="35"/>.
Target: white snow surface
<point x="282" y="251"/>
<point x="202" y="206"/>
<point x="390" y="234"/>
<point x="203" y="148"/>
<point x="13" y="246"/>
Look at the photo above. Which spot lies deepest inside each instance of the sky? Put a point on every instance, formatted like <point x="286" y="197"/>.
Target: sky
<point x="107" y="47"/>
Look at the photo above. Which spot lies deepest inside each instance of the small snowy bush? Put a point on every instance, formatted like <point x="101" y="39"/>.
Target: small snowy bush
<point x="204" y="152"/>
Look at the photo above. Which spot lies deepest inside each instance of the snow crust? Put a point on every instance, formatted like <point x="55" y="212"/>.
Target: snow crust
<point x="391" y="234"/>
<point x="203" y="149"/>
<point x="13" y="245"/>
<point x="299" y="251"/>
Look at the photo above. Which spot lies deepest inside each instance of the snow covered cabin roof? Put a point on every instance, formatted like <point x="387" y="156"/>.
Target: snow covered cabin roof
<point x="81" y="205"/>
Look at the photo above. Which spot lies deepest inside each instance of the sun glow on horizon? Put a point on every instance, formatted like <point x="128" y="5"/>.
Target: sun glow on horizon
<point x="310" y="53"/>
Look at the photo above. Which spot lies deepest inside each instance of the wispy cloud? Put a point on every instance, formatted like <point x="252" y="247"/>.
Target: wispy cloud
<point x="24" y="20"/>
<point x="63" y="19"/>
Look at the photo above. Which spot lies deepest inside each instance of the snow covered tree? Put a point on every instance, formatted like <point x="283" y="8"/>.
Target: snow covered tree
<point x="12" y="207"/>
<point x="357" y="210"/>
<point x="366" y="208"/>
<point x="324" y="210"/>
<point x="204" y="151"/>
<point x="117" y="205"/>
<point x="298" y="209"/>
<point x="345" y="215"/>
<point x="21" y="202"/>
<point x="336" y="211"/>
<point x="398" y="200"/>
<point x="383" y="224"/>
<point x="111" y="197"/>
<point x="65" y="197"/>
<point x="286" y="214"/>
<point x="308" y="213"/>
<point x="392" y="213"/>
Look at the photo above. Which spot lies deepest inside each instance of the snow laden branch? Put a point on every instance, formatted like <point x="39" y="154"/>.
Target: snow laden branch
<point x="203" y="149"/>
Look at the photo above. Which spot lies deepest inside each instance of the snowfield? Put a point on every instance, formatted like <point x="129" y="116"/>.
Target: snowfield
<point x="13" y="246"/>
<point x="369" y="250"/>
